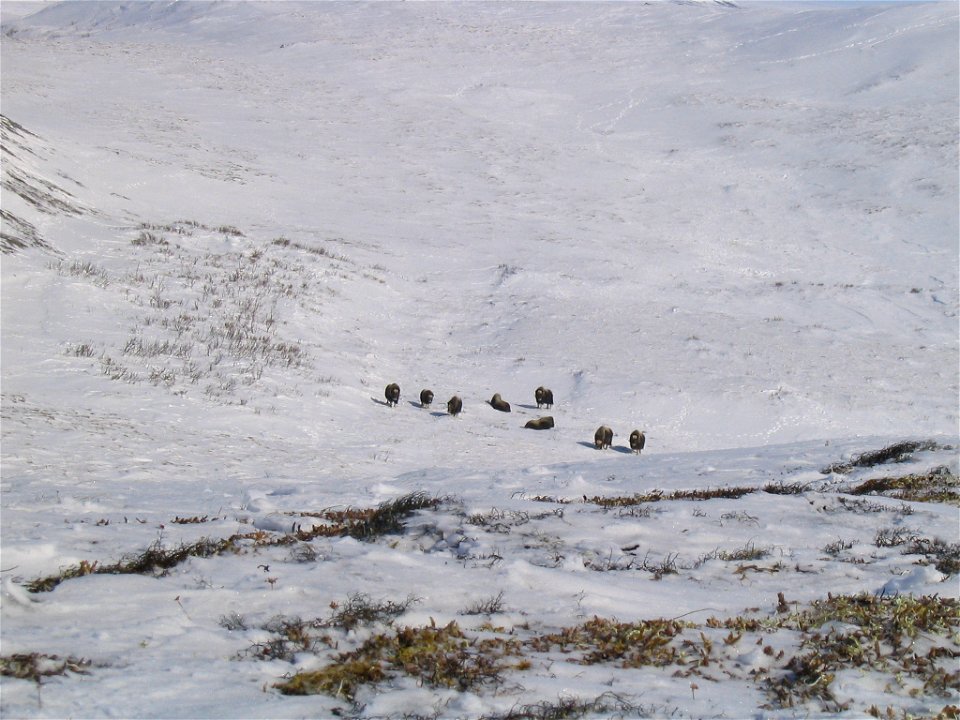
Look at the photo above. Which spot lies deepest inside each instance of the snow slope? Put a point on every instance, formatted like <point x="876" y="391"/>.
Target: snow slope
<point x="734" y="226"/>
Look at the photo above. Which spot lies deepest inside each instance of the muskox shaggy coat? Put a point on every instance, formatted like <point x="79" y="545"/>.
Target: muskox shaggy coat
<point x="498" y="403"/>
<point x="541" y="423"/>
<point x="544" y="397"/>
<point x="426" y="397"/>
<point x="637" y="441"/>
<point x="603" y="437"/>
<point x="454" y="405"/>
<point x="392" y="393"/>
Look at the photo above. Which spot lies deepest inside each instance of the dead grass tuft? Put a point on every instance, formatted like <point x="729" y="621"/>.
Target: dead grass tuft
<point x="883" y="634"/>
<point x="36" y="666"/>
<point x="388" y="518"/>
<point x="653" y="496"/>
<point x="606" y="705"/>
<point x="630" y="645"/>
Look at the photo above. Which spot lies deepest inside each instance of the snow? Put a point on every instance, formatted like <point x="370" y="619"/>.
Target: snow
<point x="732" y="225"/>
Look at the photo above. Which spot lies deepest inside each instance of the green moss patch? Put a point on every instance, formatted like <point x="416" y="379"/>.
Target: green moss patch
<point x="435" y="656"/>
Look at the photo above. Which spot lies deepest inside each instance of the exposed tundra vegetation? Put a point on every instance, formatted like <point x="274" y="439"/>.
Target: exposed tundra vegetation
<point x="228" y="229"/>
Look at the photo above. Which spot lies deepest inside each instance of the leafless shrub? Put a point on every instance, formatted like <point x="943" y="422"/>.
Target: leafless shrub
<point x="835" y="548"/>
<point x="943" y="555"/>
<point x="389" y="516"/>
<point x="571" y="708"/>
<point x="666" y="566"/>
<point x="88" y="270"/>
<point x="157" y="300"/>
<point x="153" y="348"/>
<point x="303" y="553"/>
<point x="290" y="637"/>
<point x="233" y="622"/>
<point x="313" y="249"/>
<point x="781" y="488"/>
<point x="898" y="452"/>
<point x="855" y="505"/>
<point x="892" y="537"/>
<point x="503" y="521"/>
<point x="635" y="511"/>
<point x="614" y="563"/>
<point x="115" y="371"/>
<point x="147" y="239"/>
<point x="936" y="485"/>
<point x="82" y="350"/>
<point x="741" y="516"/>
<point x="747" y="552"/>
<point x="361" y="609"/>
<point x="155" y="560"/>
<point x="162" y="376"/>
<point x="488" y="606"/>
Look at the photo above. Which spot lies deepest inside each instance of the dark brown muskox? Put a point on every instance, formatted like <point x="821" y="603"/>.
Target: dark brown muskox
<point x="541" y="423"/>
<point x="498" y="403"/>
<point x="426" y="397"/>
<point x="543" y="396"/>
<point x="603" y="437"/>
<point x="637" y="441"/>
<point x="454" y="405"/>
<point x="392" y="393"/>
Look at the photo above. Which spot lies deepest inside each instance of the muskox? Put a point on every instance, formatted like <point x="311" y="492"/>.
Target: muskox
<point x="426" y="397"/>
<point x="544" y="397"/>
<point x="454" y="405"/>
<point x="603" y="437"/>
<point x="392" y="393"/>
<point x="541" y="423"/>
<point x="498" y="403"/>
<point x="637" y="441"/>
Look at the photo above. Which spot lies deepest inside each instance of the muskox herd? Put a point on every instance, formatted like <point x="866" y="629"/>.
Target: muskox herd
<point x="454" y="404"/>
<point x="602" y="439"/>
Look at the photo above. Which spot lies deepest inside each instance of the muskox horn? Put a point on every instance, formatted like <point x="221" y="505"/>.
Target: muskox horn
<point x="637" y="440"/>
<point x="392" y="393"/>
<point x="603" y="437"/>
<point x="454" y="405"/>
<point x="543" y="396"/>
<point x="498" y="403"/>
<point x="541" y="423"/>
<point x="426" y="397"/>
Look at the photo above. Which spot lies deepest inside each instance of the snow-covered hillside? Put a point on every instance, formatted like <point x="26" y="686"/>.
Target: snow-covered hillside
<point x="227" y="226"/>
